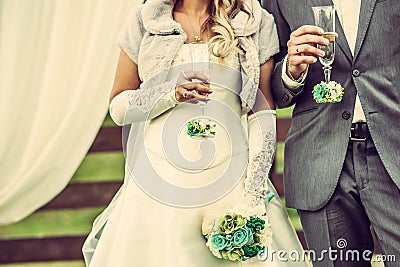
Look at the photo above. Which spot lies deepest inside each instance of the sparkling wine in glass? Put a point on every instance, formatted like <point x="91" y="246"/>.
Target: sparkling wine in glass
<point x="200" y="63"/>
<point x="325" y="19"/>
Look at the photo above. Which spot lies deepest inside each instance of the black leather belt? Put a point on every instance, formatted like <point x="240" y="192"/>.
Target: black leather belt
<point x="359" y="131"/>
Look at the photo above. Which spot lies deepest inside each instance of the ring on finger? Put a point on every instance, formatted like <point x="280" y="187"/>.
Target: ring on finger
<point x="297" y="49"/>
<point x="185" y="94"/>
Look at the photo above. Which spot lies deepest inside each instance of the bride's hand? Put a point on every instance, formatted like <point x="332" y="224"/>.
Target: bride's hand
<point x="193" y="86"/>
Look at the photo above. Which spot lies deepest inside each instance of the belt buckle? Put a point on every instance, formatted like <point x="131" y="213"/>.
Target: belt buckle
<point x="357" y="139"/>
<point x="362" y="139"/>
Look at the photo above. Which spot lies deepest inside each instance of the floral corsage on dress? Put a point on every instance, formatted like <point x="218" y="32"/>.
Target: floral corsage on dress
<point x="201" y="127"/>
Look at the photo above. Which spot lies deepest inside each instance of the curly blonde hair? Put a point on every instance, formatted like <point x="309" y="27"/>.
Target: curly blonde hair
<point x="219" y="23"/>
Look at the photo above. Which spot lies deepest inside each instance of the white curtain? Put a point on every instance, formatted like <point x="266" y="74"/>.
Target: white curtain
<point x="57" y="60"/>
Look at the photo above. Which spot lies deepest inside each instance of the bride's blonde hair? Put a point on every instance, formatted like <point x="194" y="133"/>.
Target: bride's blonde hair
<point x="219" y="23"/>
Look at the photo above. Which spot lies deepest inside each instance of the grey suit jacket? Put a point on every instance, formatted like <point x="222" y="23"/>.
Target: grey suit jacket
<point x="317" y="141"/>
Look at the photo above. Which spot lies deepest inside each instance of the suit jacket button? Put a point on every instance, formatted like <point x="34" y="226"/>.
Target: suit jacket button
<point x="356" y="73"/>
<point x="346" y="115"/>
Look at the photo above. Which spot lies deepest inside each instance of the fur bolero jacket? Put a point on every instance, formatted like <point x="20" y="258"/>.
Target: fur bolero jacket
<point x="151" y="38"/>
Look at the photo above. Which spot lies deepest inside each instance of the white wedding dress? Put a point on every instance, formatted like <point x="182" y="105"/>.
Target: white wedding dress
<point x="138" y="229"/>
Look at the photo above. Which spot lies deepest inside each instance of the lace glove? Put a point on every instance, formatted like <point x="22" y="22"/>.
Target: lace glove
<point x="262" y="142"/>
<point x="143" y="104"/>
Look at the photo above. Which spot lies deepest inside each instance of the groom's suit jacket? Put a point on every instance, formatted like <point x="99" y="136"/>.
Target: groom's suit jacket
<point x="317" y="142"/>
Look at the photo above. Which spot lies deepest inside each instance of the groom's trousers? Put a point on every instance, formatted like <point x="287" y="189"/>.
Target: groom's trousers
<point x="339" y="233"/>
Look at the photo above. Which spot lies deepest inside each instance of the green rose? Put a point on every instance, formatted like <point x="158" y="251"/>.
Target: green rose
<point x="256" y="224"/>
<point x="242" y="236"/>
<point x="252" y="251"/>
<point x="231" y="222"/>
<point x="220" y="242"/>
<point x="319" y="93"/>
<point x="234" y="254"/>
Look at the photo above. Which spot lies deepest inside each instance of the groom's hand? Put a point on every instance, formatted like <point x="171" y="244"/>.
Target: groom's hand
<point x="302" y="48"/>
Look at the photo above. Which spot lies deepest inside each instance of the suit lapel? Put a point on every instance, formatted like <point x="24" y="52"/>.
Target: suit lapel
<point x="341" y="41"/>
<point x="367" y="8"/>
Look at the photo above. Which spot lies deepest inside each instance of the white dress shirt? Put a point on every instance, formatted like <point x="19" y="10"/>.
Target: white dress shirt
<point x="349" y="17"/>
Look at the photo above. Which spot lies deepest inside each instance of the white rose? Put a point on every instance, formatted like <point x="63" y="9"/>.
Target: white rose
<point x="207" y="225"/>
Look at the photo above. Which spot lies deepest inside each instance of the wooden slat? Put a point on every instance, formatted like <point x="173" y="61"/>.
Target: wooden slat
<point x="282" y="128"/>
<point x="84" y="195"/>
<point x="41" y="249"/>
<point x="277" y="180"/>
<point x="107" y="139"/>
<point x="302" y="238"/>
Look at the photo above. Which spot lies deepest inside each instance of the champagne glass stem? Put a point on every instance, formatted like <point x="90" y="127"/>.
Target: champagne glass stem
<point x="200" y="62"/>
<point x="327" y="72"/>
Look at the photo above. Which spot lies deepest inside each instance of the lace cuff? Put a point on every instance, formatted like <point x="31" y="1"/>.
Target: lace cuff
<point x="143" y="104"/>
<point x="262" y="142"/>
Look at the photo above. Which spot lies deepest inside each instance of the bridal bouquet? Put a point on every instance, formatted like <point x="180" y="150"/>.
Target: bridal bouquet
<point x="239" y="235"/>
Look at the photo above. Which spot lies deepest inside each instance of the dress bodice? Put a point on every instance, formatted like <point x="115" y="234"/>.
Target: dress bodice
<point x="166" y="138"/>
<point x="199" y="52"/>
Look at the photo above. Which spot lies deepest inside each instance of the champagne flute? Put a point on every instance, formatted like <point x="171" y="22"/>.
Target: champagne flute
<point x="204" y="127"/>
<point x="325" y="19"/>
<point x="200" y="63"/>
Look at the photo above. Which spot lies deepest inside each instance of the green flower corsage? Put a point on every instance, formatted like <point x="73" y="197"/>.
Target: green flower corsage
<point x="331" y="92"/>
<point x="201" y="127"/>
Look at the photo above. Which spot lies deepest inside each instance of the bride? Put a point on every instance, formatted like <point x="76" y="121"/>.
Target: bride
<point x="192" y="89"/>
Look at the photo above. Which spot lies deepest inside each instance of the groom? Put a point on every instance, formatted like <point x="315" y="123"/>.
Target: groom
<point x="342" y="160"/>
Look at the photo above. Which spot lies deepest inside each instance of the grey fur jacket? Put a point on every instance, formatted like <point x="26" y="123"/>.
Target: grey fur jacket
<point x="151" y="31"/>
